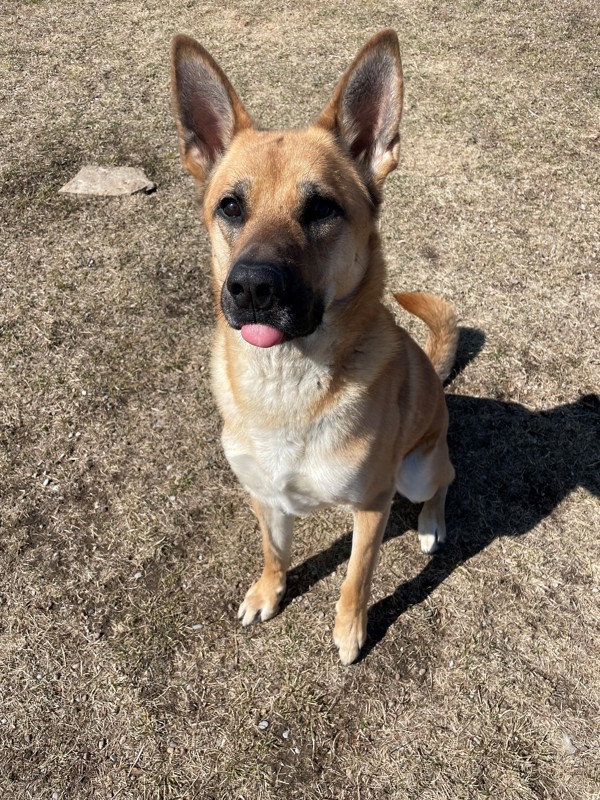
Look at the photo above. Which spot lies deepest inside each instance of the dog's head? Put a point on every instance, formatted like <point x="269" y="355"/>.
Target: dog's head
<point x="291" y="215"/>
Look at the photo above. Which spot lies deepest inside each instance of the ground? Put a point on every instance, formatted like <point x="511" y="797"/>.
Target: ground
<point x="126" y="542"/>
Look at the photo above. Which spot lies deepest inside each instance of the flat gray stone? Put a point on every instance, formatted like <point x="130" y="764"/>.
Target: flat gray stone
<point x="109" y="181"/>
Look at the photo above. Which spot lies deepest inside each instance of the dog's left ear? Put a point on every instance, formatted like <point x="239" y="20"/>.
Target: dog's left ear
<point x="366" y="106"/>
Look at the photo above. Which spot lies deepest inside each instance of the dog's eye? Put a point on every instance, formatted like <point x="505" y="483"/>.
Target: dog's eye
<point x="319" y="208"/>
<point x="230" y="207"/>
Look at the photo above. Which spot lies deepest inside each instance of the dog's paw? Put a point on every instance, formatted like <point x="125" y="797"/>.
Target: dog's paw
<point x="432" y="527"/>
<point x="261" y="601"/>
<point x="429" y="543"/>
<point x="349" y="634"/>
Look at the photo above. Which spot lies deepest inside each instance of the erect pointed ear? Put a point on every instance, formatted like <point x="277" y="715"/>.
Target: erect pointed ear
<point x="207" y="109"/>
<point x="366" y="106"/>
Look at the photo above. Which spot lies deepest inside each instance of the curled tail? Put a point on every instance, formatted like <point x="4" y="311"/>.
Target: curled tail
<point x="441" y="320"/>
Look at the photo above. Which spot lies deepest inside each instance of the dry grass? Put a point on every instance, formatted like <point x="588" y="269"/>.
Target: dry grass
<point x="126" y="543"/>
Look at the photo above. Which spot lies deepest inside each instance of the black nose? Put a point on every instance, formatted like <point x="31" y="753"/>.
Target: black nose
<point x="257" y="286"/>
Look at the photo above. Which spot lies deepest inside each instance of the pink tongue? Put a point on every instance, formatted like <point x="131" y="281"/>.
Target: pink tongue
<point x="261" y="335"/>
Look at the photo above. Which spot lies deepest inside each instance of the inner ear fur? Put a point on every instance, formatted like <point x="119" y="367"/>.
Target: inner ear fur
<point x="366" y="106"/>
<point x="207" y="109"/>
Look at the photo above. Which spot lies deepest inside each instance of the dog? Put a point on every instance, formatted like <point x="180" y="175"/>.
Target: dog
<point x="325" y="400"/>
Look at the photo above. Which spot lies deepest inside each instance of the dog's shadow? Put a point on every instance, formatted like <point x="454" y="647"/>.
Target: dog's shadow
<point x="514" y="466"/>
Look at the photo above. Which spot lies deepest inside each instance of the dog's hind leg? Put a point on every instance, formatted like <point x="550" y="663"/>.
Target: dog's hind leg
<point x="424" y="477"/>
<point x="263" y="597"/>
<point x="432" y="523"/>
<point x="350" y="629"/>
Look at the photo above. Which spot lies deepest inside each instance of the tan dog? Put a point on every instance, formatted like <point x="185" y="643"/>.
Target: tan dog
<point x="325" y="400"/>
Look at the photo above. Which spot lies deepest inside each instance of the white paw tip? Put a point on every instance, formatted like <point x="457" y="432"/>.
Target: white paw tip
<point x="428" y="542"/>
<point x="347" y="657"/>
<point x="246" y="615"/>
<point x="267" y="613"/>
<point x="350" y="648"/>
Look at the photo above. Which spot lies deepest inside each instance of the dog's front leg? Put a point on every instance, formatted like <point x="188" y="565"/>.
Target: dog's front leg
<point x="350" y="629"/>
<point x="263" y="597"/>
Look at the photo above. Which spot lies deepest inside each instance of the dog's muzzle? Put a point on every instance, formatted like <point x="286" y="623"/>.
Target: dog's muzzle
<point x="272" y="295"/>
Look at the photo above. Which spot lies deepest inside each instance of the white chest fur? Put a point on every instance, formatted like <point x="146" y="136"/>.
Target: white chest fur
<point x="283" y="452"/>
<point x="293" y="470"/>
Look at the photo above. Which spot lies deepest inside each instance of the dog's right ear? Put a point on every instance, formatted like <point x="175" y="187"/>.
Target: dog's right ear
<point x="207" y="109"/>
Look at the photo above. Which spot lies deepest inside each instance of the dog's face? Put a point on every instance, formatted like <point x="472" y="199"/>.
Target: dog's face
<point x="290" y="214"/>
<point x="286" y="212"/>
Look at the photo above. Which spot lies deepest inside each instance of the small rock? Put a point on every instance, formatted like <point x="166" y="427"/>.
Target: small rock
<point x="285" y="734"/>
<point x="263" y="725"/>
<point x="136" y="772"/>
<point x="109" y="181"/>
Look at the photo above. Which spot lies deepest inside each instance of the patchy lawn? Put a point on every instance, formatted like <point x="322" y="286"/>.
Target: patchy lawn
<point x="126" y="542"/>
